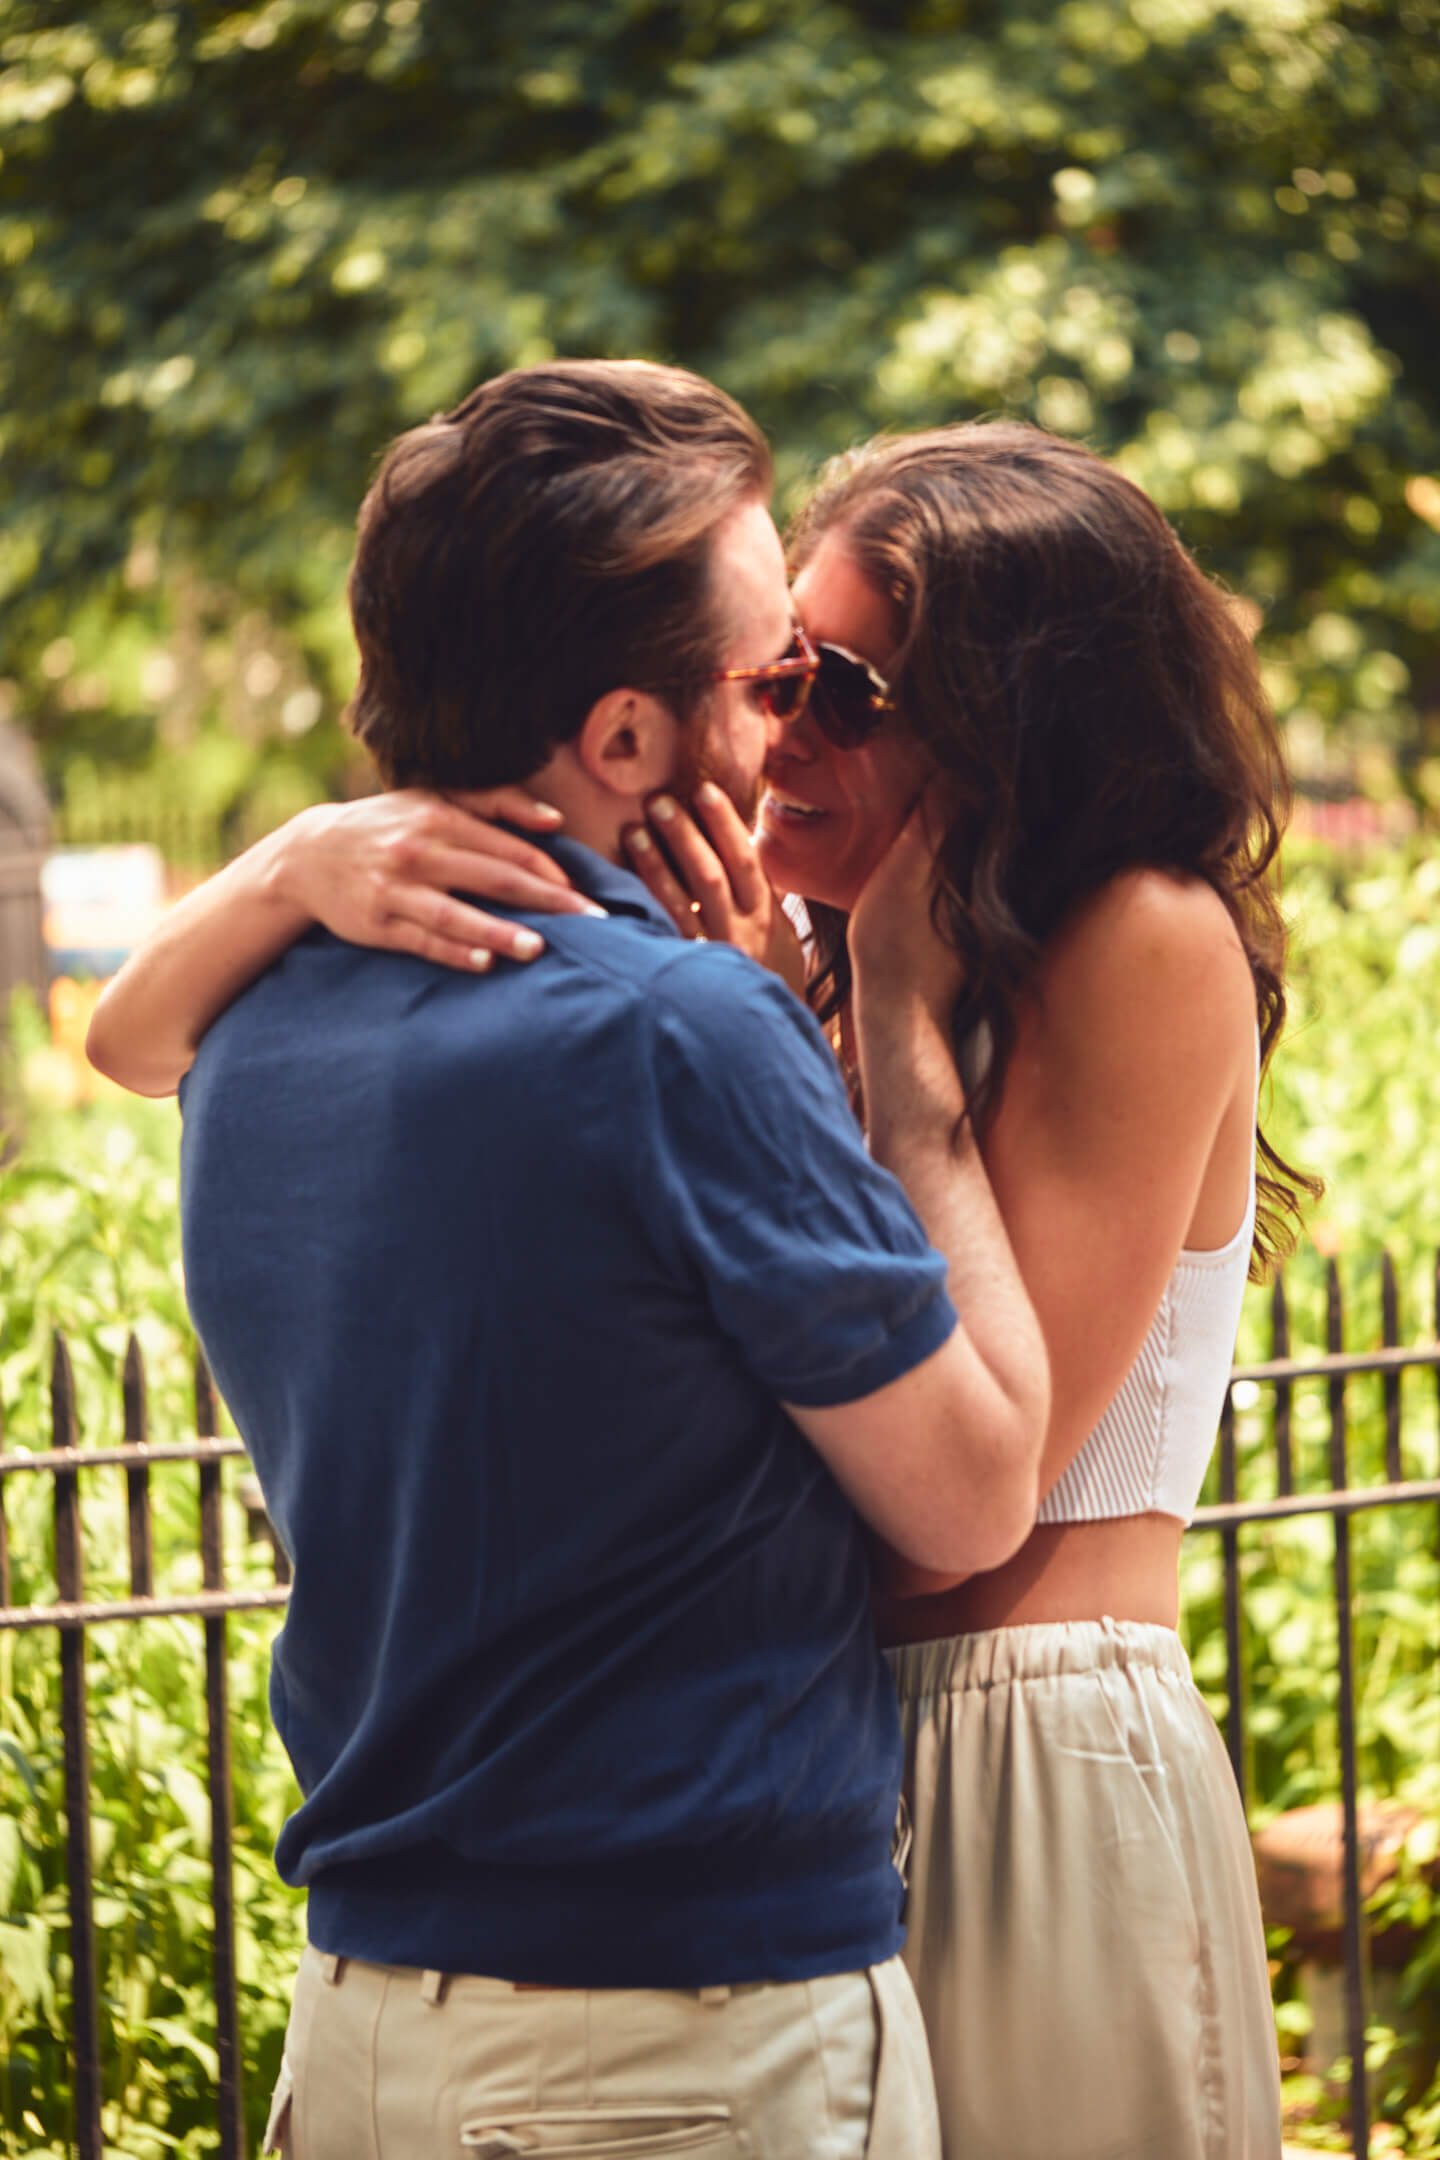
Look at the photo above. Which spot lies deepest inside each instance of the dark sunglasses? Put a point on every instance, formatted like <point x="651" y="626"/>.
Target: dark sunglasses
<point x="847" y="697"/>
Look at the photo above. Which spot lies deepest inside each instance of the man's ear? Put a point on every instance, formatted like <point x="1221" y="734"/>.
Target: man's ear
<point x="628" y="743"/>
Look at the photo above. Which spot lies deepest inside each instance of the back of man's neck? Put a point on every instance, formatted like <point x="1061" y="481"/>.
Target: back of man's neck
<point x="594" y="819"/>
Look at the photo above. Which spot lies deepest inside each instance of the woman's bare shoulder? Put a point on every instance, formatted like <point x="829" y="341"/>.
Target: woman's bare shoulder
<point x="1158" y="920"/>
<point x="1151" y="952"/>
<point x="1144" y="906"/>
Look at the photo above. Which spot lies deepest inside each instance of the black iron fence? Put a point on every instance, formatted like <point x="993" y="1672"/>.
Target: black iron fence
<point x="1278" y="1377"/>
<point x="1335" y="1371"/>
<point x="72" y="1615"/>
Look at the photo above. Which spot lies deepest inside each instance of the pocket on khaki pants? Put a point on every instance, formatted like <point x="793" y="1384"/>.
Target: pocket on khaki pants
<point x="611" y="2132"/>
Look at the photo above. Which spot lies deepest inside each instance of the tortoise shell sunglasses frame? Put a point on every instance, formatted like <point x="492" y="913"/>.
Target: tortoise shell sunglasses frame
<point x="845" y="695"/>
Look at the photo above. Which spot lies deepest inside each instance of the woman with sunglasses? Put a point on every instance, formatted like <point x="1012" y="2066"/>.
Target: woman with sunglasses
<point x="1005" y="633"/>
<point x="1010" y="634"/>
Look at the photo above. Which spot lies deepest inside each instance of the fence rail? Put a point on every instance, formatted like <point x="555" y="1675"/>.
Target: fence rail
<point x="72" y="1614"/>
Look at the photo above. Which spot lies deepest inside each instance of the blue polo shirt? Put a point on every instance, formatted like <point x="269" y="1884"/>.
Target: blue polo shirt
<point x="505" y="1281"/>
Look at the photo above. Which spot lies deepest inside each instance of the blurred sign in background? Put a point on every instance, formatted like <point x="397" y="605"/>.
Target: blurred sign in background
<point x="99" y="904"/>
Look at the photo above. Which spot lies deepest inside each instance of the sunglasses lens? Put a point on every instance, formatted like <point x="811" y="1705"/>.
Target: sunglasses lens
<point x="844" y="703"/>
<point x="785" y="696"/>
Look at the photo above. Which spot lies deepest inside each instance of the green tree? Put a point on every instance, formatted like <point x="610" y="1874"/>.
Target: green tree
<point x="240" y="249"/>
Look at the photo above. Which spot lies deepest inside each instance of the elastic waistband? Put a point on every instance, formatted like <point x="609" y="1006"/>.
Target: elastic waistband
<point x="998" y="1657"/>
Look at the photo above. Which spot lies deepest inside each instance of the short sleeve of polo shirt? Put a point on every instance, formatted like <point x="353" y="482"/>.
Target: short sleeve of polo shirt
<point x="756" y="1179"/>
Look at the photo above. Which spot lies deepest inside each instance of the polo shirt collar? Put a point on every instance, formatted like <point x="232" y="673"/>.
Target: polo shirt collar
<point x="619" y="892"/>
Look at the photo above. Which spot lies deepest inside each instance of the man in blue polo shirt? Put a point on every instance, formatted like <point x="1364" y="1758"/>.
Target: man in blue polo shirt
<point x="568" y="1322"/>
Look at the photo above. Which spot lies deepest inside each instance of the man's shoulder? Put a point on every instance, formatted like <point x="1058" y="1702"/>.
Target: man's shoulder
<point x="613" y="985"/>
<point x="710" y="993"/>
<point x="719" y="1000"/>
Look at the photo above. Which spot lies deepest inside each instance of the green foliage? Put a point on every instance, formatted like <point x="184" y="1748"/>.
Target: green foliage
<point x="1350" y="1098"/>
<point x="1354" y="1094"/>
<point x="89" y="1244"/>
<point x="240" y="248"/>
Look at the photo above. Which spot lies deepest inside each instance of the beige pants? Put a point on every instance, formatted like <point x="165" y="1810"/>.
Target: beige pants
<point x="1083" y="1927"/>
<point x="385" y="2063"/>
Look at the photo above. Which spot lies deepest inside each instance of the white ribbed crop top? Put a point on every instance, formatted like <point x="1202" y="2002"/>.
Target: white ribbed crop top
<point x="1154" y="1441"/>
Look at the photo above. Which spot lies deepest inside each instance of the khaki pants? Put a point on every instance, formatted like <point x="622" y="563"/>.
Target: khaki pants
<point x="1083" y="1928"/>
<point x="386" y="2063"/>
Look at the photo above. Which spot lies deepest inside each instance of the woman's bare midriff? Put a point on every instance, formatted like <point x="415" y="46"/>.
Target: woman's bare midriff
<point x="1126" y="1569"/>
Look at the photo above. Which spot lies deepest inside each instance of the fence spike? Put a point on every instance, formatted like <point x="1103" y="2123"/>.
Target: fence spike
<point x="64" y="1428"/>
<point x="205" y="1412"/>
<point x="1279" y="1315"/>
<point x="133" y="1382"/>
<point x="1280" y="1348"/>
<point x="137" y="1480"/>
<point x="1335" y="1341"/>
<point x="1390" y="1385"/>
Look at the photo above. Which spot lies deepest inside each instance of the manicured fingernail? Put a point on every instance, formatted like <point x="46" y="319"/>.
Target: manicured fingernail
<point x="662" y="808"/>
<point x="708" y="794"/>
<point x="591" y="908"/>
<point x="482" y="961"/>
<point x="639" y="842"/>
<point x="548" y="809"/>
<point x="526" y="944"/>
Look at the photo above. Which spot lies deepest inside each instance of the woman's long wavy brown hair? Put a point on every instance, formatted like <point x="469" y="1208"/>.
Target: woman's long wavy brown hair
<point x="1093" y="703"/>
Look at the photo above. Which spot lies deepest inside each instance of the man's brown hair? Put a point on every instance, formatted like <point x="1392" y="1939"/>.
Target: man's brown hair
<point x="544" y="543"/>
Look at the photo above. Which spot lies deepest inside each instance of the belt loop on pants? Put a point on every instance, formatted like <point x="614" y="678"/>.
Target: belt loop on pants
<point x="331" y="1967"/>
<point x="432" y="1989"/>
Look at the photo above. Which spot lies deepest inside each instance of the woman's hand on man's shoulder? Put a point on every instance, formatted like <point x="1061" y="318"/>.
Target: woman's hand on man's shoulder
<point x="384" y="871"/>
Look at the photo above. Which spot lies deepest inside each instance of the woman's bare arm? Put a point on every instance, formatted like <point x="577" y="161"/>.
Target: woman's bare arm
<point x="967" y="1451"/>
<point x="380" y="872"/>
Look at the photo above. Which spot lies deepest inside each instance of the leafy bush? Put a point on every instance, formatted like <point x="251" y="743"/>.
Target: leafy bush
<point x="89" y="1244"/>
<point x="1350" y="1098"/>
<point x="254" y="244"/>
